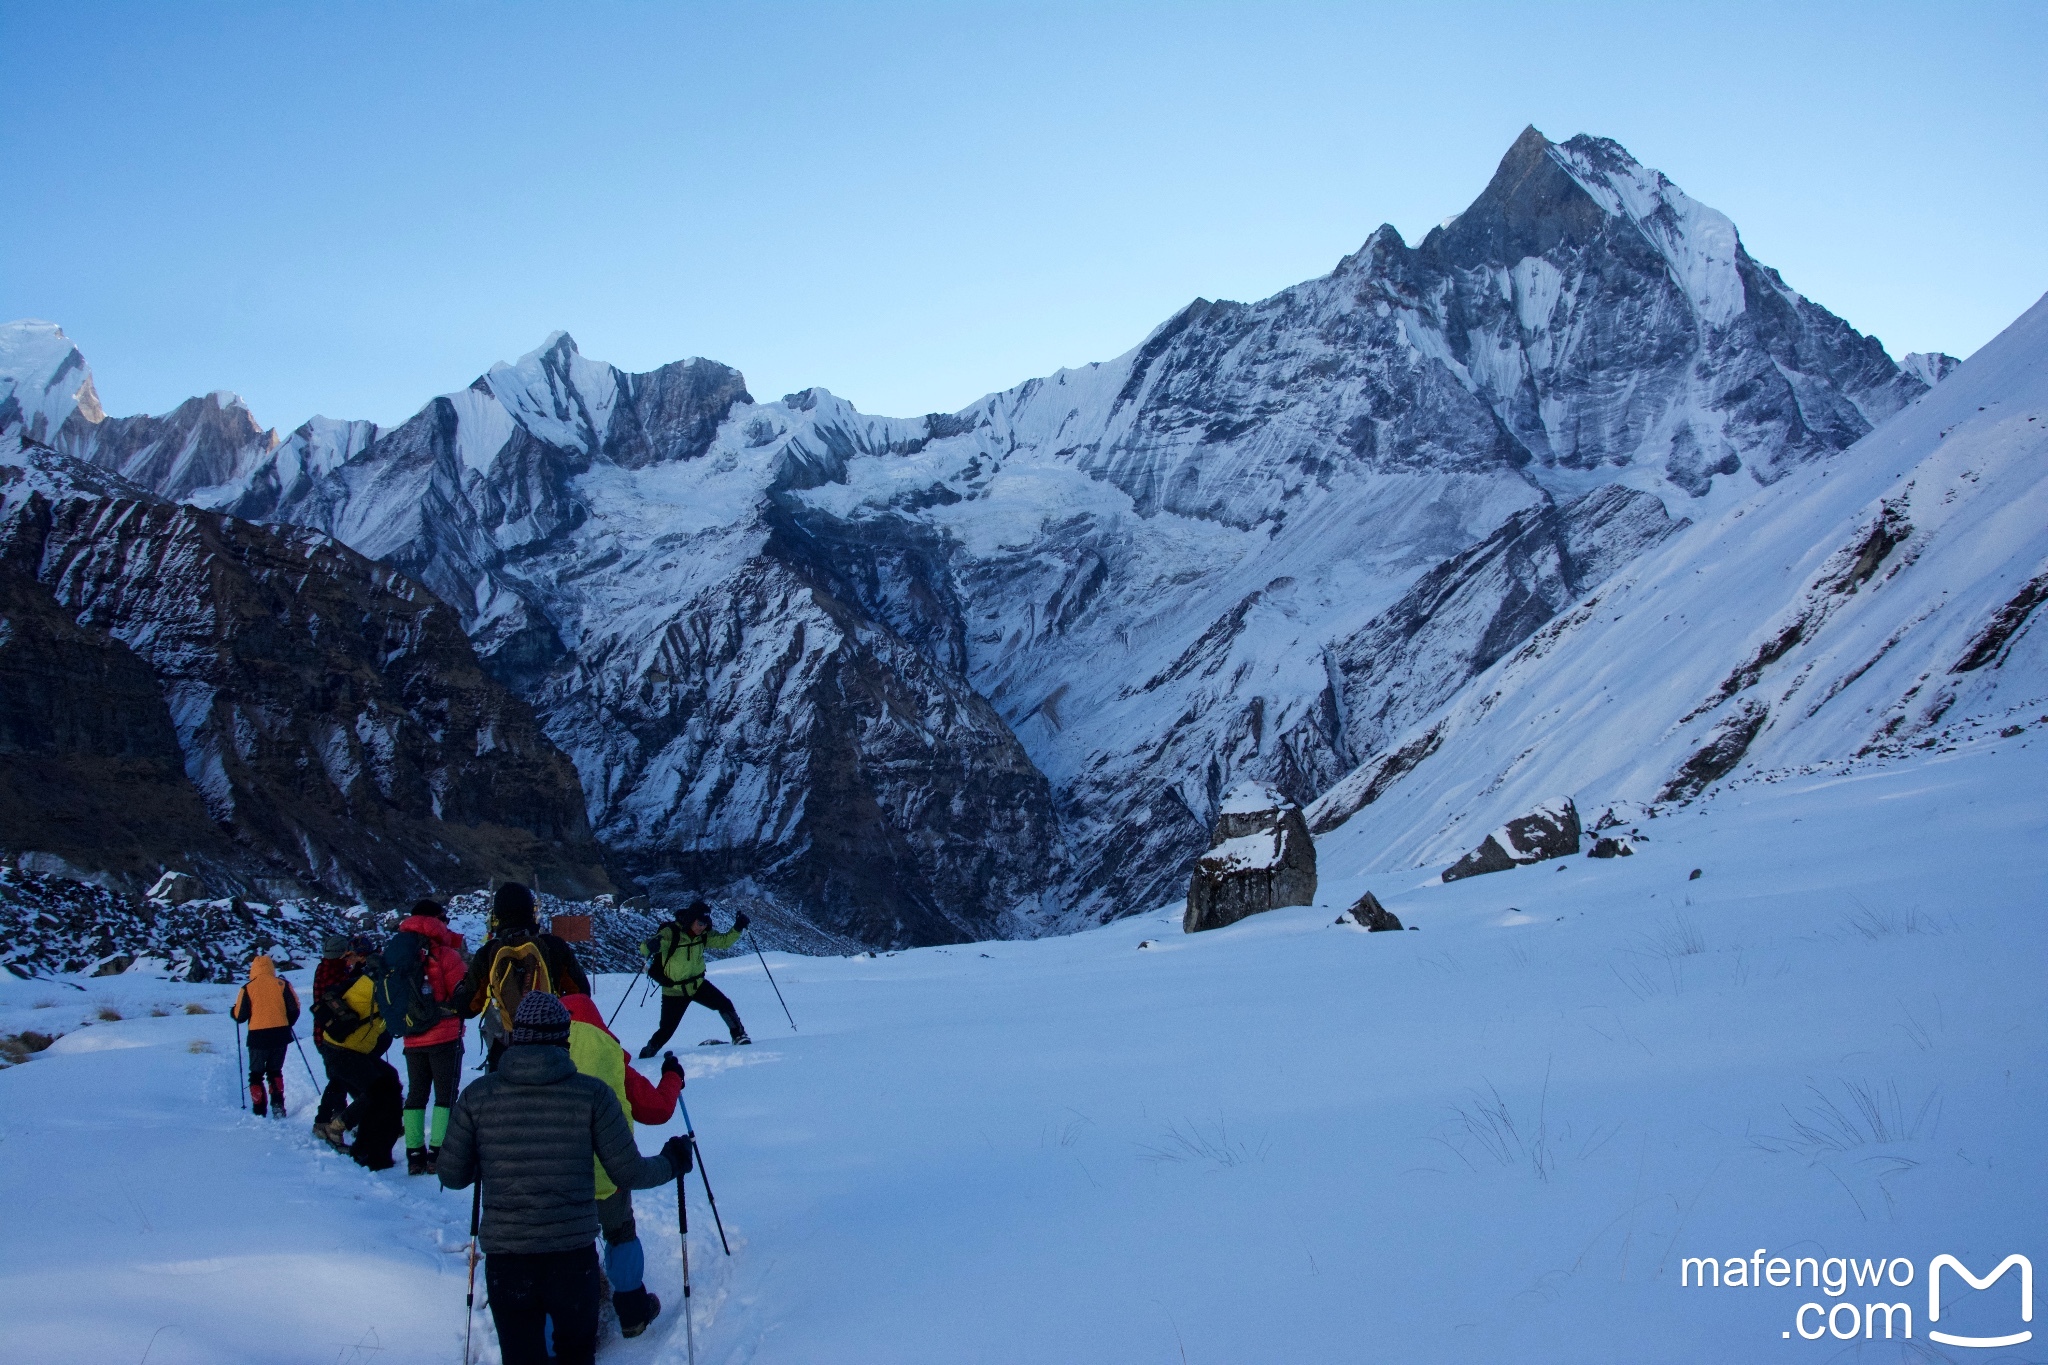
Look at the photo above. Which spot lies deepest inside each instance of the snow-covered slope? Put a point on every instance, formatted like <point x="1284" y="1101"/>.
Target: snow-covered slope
<point x="1498" y="1138"/>
<point x="1867" y="604"/>
<point x="785" y="639"/>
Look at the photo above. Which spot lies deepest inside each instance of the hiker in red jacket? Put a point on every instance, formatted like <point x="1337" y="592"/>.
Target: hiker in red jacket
<point x="597" y="1052"/>
<point x="433" y="1058"/>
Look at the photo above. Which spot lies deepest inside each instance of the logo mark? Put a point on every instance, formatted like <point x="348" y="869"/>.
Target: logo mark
<point x="1934" y="1298"/>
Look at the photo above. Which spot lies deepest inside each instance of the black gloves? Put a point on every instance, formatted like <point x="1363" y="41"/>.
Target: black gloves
<point x="669" y="1063"/>
<point x="740" y="920"/>
<point x="677" y="1150"/>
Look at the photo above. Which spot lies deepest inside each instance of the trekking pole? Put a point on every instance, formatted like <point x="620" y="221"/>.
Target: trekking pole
<point x="476" y="1209"/>
<point x="690" y="1131"/>
<point x="771" y="980"/>
<point x="683" y="1221"/>
<point x="241" y="1090"/>
<point x="630" y="985"/>
<point x="309" y="1066"/>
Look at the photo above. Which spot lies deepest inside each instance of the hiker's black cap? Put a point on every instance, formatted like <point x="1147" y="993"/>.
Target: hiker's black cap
<point x="513" y="904"/>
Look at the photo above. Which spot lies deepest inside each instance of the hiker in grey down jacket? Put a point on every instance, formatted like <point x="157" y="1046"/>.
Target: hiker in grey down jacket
<point x="527" y="1133"/>
<point x="529" y="1129"/>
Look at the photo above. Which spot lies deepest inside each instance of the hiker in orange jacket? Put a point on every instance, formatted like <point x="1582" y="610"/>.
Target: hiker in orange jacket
<point x="269" y="1006"/>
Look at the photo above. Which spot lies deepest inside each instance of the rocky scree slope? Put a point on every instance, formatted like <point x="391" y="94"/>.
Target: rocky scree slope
<point x="990" y="672"/>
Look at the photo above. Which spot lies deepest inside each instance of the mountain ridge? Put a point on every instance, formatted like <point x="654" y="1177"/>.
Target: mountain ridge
<point x="1141" y="579"/>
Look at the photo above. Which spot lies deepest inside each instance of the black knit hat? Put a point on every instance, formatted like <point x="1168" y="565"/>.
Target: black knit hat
<point x="430" y="908"/>
<point x="513" y="907"/>
<point x="693" y="912"/>
<point x="540" y="1019"/>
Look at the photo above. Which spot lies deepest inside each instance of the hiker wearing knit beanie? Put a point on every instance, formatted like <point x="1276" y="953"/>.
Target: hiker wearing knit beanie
<point x="529" y="1131"/>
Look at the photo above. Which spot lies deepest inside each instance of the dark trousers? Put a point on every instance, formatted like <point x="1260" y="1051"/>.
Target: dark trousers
<point x="267" y="1059"/>
<point x="438" y="1068"/>
<point x="335" y="1096"/>
<point x="374" y="1108"/>
<point x="672" y="1007"/>
<point x="527" y="1289"/>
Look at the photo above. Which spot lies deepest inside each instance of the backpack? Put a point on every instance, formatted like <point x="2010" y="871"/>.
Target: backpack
<point x="658" y="948"/>
<point x="331" y="1013"/>
<point x="519" y="967"/>
<point x="401" y="993"/>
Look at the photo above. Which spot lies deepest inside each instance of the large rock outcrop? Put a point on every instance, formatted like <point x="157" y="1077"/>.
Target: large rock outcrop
<point x="1549" y="831"/>
<point x="1261" y="857"/>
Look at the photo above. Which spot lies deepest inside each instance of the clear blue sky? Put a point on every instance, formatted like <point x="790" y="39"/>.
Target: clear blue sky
<point x="347" y="209"/>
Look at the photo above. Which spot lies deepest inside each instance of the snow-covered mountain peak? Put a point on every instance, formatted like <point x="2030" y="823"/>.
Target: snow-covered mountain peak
<point x="1699" y="242"/>
<point x="43" y="380"/>
<point x="1929" y="367"/>
<point x="557" y="394"/>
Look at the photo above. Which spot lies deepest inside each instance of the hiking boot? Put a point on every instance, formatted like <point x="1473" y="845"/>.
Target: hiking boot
<point x="636" y="1308"/>
<point x="277" y="1099"/>
<point x="433" y="1160"/>
<point x="741" y="1039"/>
<point x="259" y="1103"/>
<point x="332" y="1133"/>
<point x="417" y="1162"/>
<point x="647" y="1052"/>
<point x="370" y="1159"/>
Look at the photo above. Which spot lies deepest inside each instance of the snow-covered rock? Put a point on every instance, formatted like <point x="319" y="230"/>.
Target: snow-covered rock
<point x="1370" y="915"/>
<point x="1260" y="858"/>
<point x="1551" y="830"/>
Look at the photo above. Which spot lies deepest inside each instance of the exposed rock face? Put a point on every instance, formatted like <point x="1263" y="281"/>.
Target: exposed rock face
<point x="90" y="768"/>
<point x="877" y="790"/>
<point x="320" y="722"/>
<point x="1606" y="846"/>
<point x="1376" y="918"/>
<point x="1259" y="545"/>
<point x="1261" y="857"/>
<point x="1470" y="610"/>
<point x="1549" y="831"/>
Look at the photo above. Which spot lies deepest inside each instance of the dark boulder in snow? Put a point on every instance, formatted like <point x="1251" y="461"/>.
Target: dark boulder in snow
<point x="1607" y="847"/>
<point x="1260" y="857"/>
<point x="1376" y="917"/>
<point x="1549" y="831"/>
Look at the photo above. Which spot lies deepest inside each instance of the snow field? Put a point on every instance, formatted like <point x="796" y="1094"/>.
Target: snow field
<point x="1494" y="1138"/>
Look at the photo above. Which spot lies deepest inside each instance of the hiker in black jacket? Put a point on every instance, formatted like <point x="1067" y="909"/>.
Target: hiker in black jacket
<point x="528" y="1131"/>
<point x="514" y="924"/>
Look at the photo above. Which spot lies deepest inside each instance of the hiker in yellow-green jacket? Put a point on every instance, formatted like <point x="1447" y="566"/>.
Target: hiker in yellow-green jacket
<point x="675" y="959"/>
<point x="597" y="1053"/>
